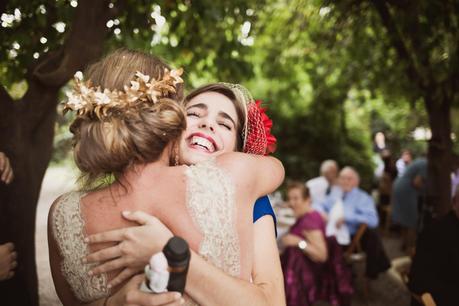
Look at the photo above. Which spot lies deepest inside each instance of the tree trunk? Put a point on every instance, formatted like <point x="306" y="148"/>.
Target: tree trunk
<point x="438" y="107"/>
<point x="29" y="152"/>
<point x="26" y="136"/>
<point x="439" y="154"/>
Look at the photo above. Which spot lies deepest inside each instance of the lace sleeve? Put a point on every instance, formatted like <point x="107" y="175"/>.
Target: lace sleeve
<point x="211" y="203"/>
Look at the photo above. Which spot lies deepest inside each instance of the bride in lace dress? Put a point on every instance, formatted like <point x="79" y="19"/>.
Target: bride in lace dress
<point x="130" y="132"/>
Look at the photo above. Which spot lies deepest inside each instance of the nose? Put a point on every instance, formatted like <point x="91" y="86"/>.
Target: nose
<point x="205" y="123"/>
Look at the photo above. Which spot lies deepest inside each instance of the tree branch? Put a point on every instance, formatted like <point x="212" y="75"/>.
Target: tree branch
<point x="83" y="44"/>
<point x="398" y="43"/>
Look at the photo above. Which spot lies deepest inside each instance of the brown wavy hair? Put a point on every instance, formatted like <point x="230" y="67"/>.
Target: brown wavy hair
<point x="106" y="148"/>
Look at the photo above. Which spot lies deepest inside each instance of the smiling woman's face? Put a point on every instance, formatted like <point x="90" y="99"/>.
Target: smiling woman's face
<point x="211" y="128"/>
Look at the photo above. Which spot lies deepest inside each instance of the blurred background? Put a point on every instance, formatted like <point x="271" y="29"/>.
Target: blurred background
<point x="333" y="74"/>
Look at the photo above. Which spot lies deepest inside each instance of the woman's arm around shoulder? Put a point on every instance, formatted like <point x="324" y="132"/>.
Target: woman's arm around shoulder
<point x="260" y="174"/>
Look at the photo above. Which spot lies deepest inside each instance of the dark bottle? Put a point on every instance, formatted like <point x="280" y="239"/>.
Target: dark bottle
<point x="178" y="256"/>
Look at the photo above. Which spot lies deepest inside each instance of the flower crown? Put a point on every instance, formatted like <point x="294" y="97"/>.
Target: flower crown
<point x="88" y="100"/>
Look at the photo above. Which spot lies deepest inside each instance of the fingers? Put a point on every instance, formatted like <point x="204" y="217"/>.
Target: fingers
<point x="9" y="246"/>
<point x="9" y="176"/>
<point x="124" y="275"/>
<point x="104" y="254"/>
<point x="108" y="266"/>
<point x="3" y="159"/>
<point x="139" y="217"/>
<point x="6" y="171"/>
<point x="109" y="236"/>
<point x="161" y="299"/>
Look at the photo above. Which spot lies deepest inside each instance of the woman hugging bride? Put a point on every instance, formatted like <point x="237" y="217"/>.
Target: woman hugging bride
<point x="130" y="125"/>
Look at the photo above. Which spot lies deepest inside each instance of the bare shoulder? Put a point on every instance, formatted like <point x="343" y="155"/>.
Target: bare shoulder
<point x="249" y="166"/>
<point x="232" y="159"/>
<point x="57" y="202"/>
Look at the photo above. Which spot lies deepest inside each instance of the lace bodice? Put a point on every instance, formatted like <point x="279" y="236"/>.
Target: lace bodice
<point x="211" y="206"/>
<point x="68" y="229"/>
<point x="210" y="200"/>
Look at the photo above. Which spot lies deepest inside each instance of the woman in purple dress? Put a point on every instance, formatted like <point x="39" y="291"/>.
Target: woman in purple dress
<point x="312" y="264"/>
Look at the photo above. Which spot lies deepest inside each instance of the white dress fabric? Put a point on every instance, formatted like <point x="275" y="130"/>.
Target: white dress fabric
<point x="211" y="205"/>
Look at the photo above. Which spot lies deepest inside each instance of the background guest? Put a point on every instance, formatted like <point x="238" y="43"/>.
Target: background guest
<point x="7" y="254"/>
<point x="359" y="208"/>
<point x="407" y="190"/>
<point x="327" y="183"/>
<point x="312" y="271"/>
<point x="454" y="175"/>
<point x="385" y="184"/>
<point x="404" y="161"/>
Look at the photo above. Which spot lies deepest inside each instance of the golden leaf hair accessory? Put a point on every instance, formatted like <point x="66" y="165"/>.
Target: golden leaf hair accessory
<point x="88" y="100"/>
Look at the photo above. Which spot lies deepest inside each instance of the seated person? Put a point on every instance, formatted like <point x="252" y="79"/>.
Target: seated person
<point x="312" y="264"/>
<point x="435" y="267"/>
<point x="359" y="208"/>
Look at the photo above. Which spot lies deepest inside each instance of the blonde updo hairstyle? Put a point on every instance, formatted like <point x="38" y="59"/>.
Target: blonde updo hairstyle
<point x="106" y="148"/>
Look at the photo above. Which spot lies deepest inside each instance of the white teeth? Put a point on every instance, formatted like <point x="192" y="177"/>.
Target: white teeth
<point x="200" y="141"/>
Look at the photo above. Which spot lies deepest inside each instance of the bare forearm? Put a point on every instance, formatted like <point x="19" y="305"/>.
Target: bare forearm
<point x="208" y="285"/>
<point x="316" y="253"/>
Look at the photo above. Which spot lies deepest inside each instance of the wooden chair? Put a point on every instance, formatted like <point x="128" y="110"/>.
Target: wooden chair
<point x="354" y="254"/>
<point x="355" y="247"/>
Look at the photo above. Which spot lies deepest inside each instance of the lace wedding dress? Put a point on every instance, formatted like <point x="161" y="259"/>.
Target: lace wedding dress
<point x="211" y="205"/>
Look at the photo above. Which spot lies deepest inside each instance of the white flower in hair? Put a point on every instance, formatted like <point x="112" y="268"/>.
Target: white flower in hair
<point x="74" y="101"/>
<point x="175" y="74"/>
<point x="142" y="76"/>
<point x="101" y="97"/>
<point x="135" y="85"/>
<point x="87" y="99"/>
<point x="79" y="75"/>
<point x="84" y="90"/>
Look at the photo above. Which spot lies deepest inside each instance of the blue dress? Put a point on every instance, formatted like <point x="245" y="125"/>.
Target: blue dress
<point x="262" y="208"/>
<point x="405" y="195"/>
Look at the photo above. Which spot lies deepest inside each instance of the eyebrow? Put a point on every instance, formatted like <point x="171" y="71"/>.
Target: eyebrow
<point x="198" y="105"/>
<point x="221" y="113"/>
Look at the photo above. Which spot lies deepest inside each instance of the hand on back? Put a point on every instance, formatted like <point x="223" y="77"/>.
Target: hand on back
<point x="135" y="246"/>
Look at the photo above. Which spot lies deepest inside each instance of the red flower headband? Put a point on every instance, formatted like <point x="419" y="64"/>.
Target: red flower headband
<point x="259" y="139"/>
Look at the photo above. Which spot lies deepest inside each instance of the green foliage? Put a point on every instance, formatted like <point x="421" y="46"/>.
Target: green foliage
<point x="324" y="68"/>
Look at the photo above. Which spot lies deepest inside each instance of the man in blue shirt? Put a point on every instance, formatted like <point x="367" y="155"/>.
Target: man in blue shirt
<point x="359" y="208"/>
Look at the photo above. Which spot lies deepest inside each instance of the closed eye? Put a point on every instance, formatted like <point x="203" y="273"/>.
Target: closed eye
<point x="225" y="125"/>
<point x="192" y="114"/>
